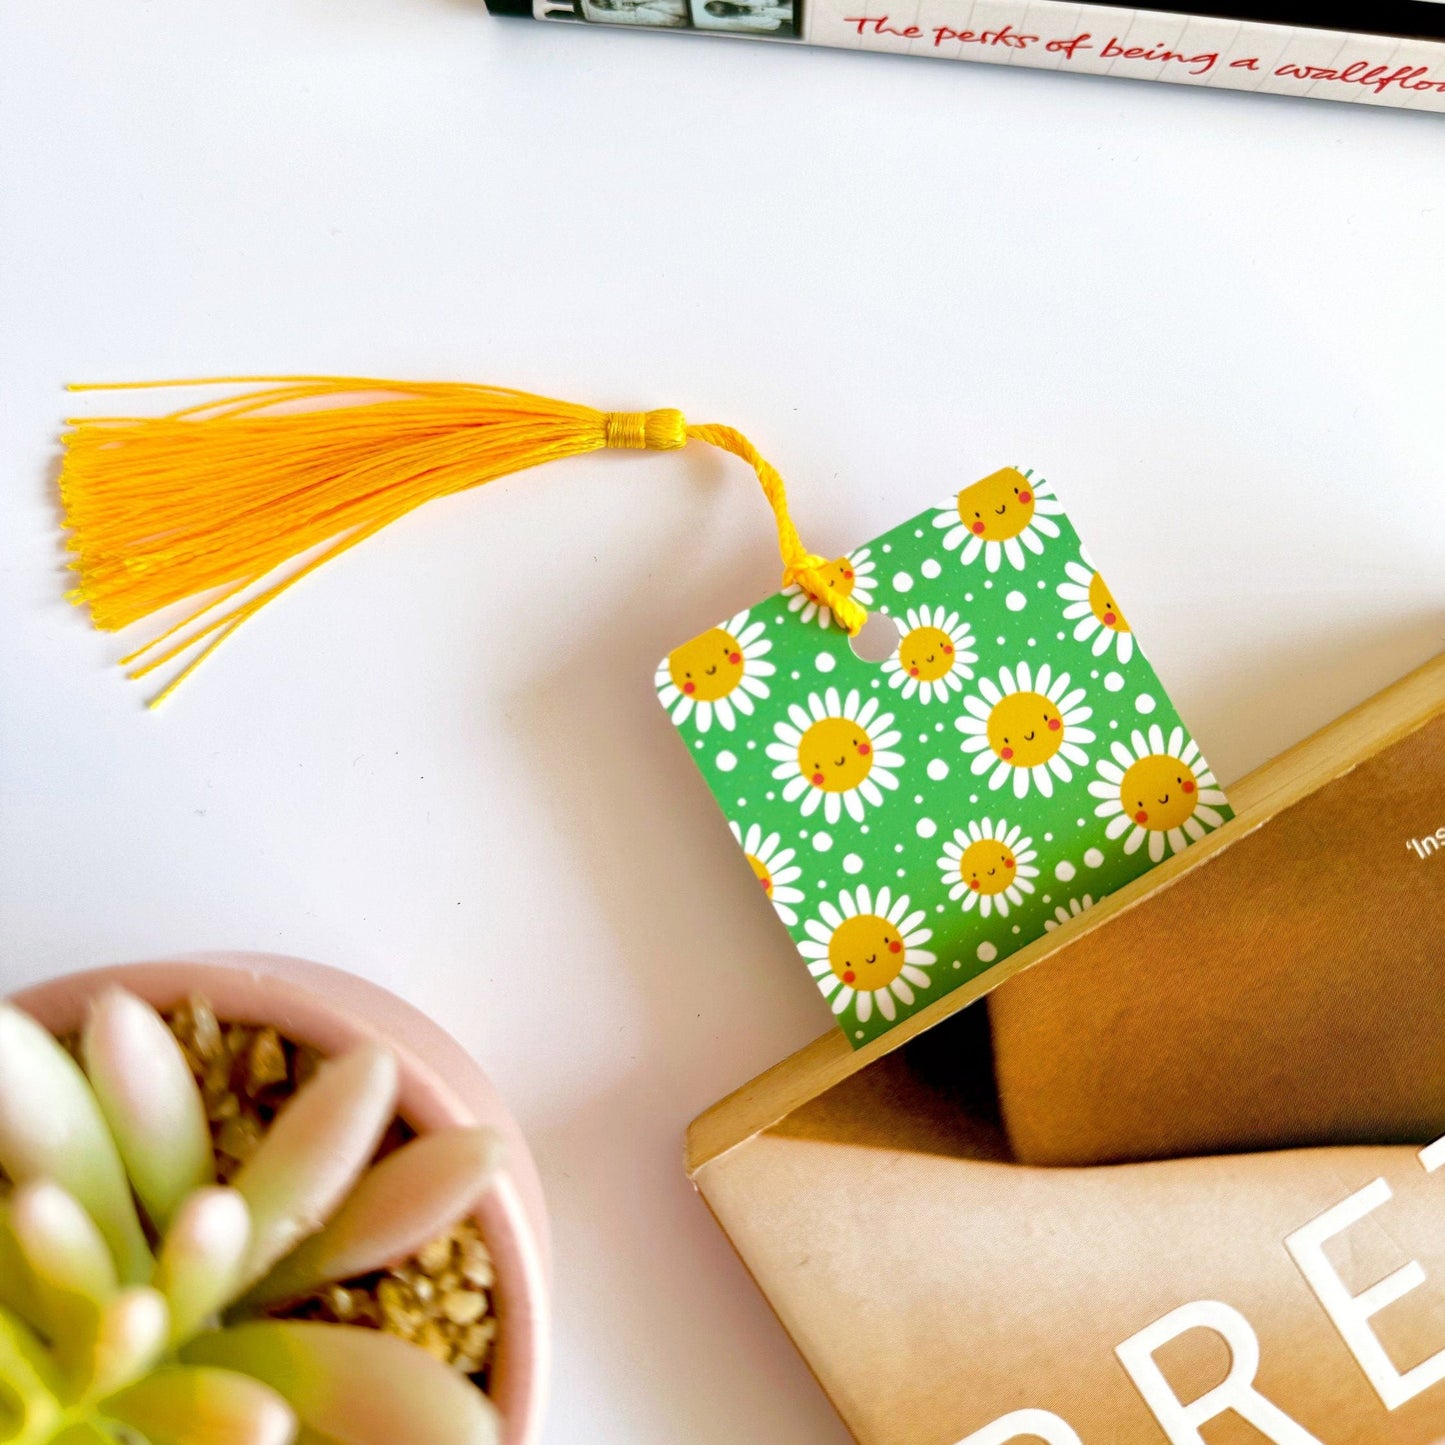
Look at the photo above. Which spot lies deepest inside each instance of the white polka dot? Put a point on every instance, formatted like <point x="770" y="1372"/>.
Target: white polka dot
<point x="822" y="841"/>
<point x="918" y="797"/>
<point x="1094" y="858"/>
<point x="926" y="827"/>
<point x="852" y="864"/>
<point x="887" y="546"/>
<point x="742" y="802"/>
<point x="1016" y="601"/>
<point x="930" y="569"/>
<point x="903" y="873"/>
<point x="857" y="1033"/>
<point x="1064" y="871"/>
<point x="968" y="596"/>
<point x="726" y="761"/>
<point x="903" y="582"/>
<point x="1114" y="681"/>
<point x="1002" y="641"/>
<point x="956" y="962"/>
<point x="796" y="676"/>
<point x="825" y="662"/>
<point x="938" y="770"/>
<point x="1016" y="928"/>
<point x="1144" y="703"/>
<point x="987" y="953"/>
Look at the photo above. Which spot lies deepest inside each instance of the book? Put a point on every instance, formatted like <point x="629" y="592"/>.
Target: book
<point x="1178" y="1178"/>
<point x="1390" y="53"/>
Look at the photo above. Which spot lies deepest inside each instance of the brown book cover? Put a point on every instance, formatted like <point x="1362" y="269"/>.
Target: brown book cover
<point x="1177" y="1180"/>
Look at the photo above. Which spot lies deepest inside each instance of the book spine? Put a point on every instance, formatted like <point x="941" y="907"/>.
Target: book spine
<point x="1226" y="53"/>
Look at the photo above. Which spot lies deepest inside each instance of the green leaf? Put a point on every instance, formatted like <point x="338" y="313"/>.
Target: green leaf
<point x="51" y="1127"/>
<point x="17" y="1286"/>
<point x="314" y="1152"/>
<point x="28" y="1373"/>
<point x="184" y="1405"/>
<point x="150" y="1101"/>
<point x="70" y="1266"/>
<point x="202" y="1257"/>
<point x="132" y="1333"/>
<point x="355" y="1386"/>
<point x="411" y="1197"/>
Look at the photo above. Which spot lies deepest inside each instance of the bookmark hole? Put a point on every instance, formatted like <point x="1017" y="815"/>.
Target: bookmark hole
<point x="877" y="640"/>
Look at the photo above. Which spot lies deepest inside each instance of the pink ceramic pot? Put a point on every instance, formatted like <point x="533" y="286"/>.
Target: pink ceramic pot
<point x="441" y="1087"/>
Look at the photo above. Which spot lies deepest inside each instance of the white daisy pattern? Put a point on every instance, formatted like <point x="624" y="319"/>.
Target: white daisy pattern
<point x="934" y="656"/>
<point x="716" y="676"/>
<point x="1159" y="789"/>
<point x="1028" y="726"/>
<point x="773" y="867"/>
<point x="989" y="866"/>
<point x="852" y="576"/>
<point x="1091" y="606"/>
<point x="836" y="754"/>
<point x="866" y="952"/>
<point x="1000" y="518"/>
<point x="1076" y="908"/>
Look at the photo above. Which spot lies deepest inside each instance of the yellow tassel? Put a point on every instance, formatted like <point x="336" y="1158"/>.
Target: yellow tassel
<point x="262" y="488"/>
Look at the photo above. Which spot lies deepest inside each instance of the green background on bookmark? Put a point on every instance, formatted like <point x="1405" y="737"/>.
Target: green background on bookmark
<point x="1014" y="761"/>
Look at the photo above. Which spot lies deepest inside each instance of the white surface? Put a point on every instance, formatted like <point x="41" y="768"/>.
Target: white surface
<point x="1213" y="320"/>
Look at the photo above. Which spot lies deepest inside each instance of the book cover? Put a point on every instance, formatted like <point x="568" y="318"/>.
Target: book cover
<point x="1392" y="53"/>
<point x="1179" y="1179"/>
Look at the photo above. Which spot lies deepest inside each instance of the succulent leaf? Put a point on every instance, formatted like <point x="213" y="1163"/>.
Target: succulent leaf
<point x="355" y="1386"/>
<point x="150" y="1101"/>
<point x="131" y="1335"/>
<point x="30" y="1375"/>
<point x="315" y="1151"/>
<point x="17" y="1287"/>
<point x="196" y="1405"/>
<point x="51" y="1128"/>
<point x="411" y="1197"/>
<point x="202" y="1257"/>
<point x="70" y="1266"/>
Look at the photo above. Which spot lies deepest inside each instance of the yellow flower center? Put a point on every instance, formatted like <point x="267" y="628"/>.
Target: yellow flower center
<point x="926" y="653"/>
<point x="708" y="667"/>
<point x="998" y="507"/>
<point x="840" y="576"/>
<point x="866" y="952"/>
<point x="1025" y="729"/>
<point x="1104" y="607"/>
<point x="835" y="755"/>
<point x="1159" y="792"/>
<point x="761" y="873"/>
<point x="988" y="866"/>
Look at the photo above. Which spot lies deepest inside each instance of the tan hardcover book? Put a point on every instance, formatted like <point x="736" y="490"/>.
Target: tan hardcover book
<point x="1179" y="1186"/>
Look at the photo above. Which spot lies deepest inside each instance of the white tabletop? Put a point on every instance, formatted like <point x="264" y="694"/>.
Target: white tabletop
<point x="1215" y="321"/>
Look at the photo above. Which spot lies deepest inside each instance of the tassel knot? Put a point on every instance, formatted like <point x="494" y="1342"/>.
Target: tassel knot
<point x="663" y="430"/>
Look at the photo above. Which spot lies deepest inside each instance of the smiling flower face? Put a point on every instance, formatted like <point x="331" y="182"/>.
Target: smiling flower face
<point x="1091" y="606"/>
<point x="867" y="952"/>
<point x="989" y="866"/>
<point x="773" y="867"/>
<point x="934" y="656"/>
<point x="716" y="675"/>
<point x="999" y="517"/>
<point x="1026" y="726"/>
<point x="851" y="575"/>
<point x="836" y="755"/>
<point x="1159" y="790"/>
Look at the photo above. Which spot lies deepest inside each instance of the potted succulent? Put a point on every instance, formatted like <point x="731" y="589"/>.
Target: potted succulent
<point x="253" y="1201"/>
